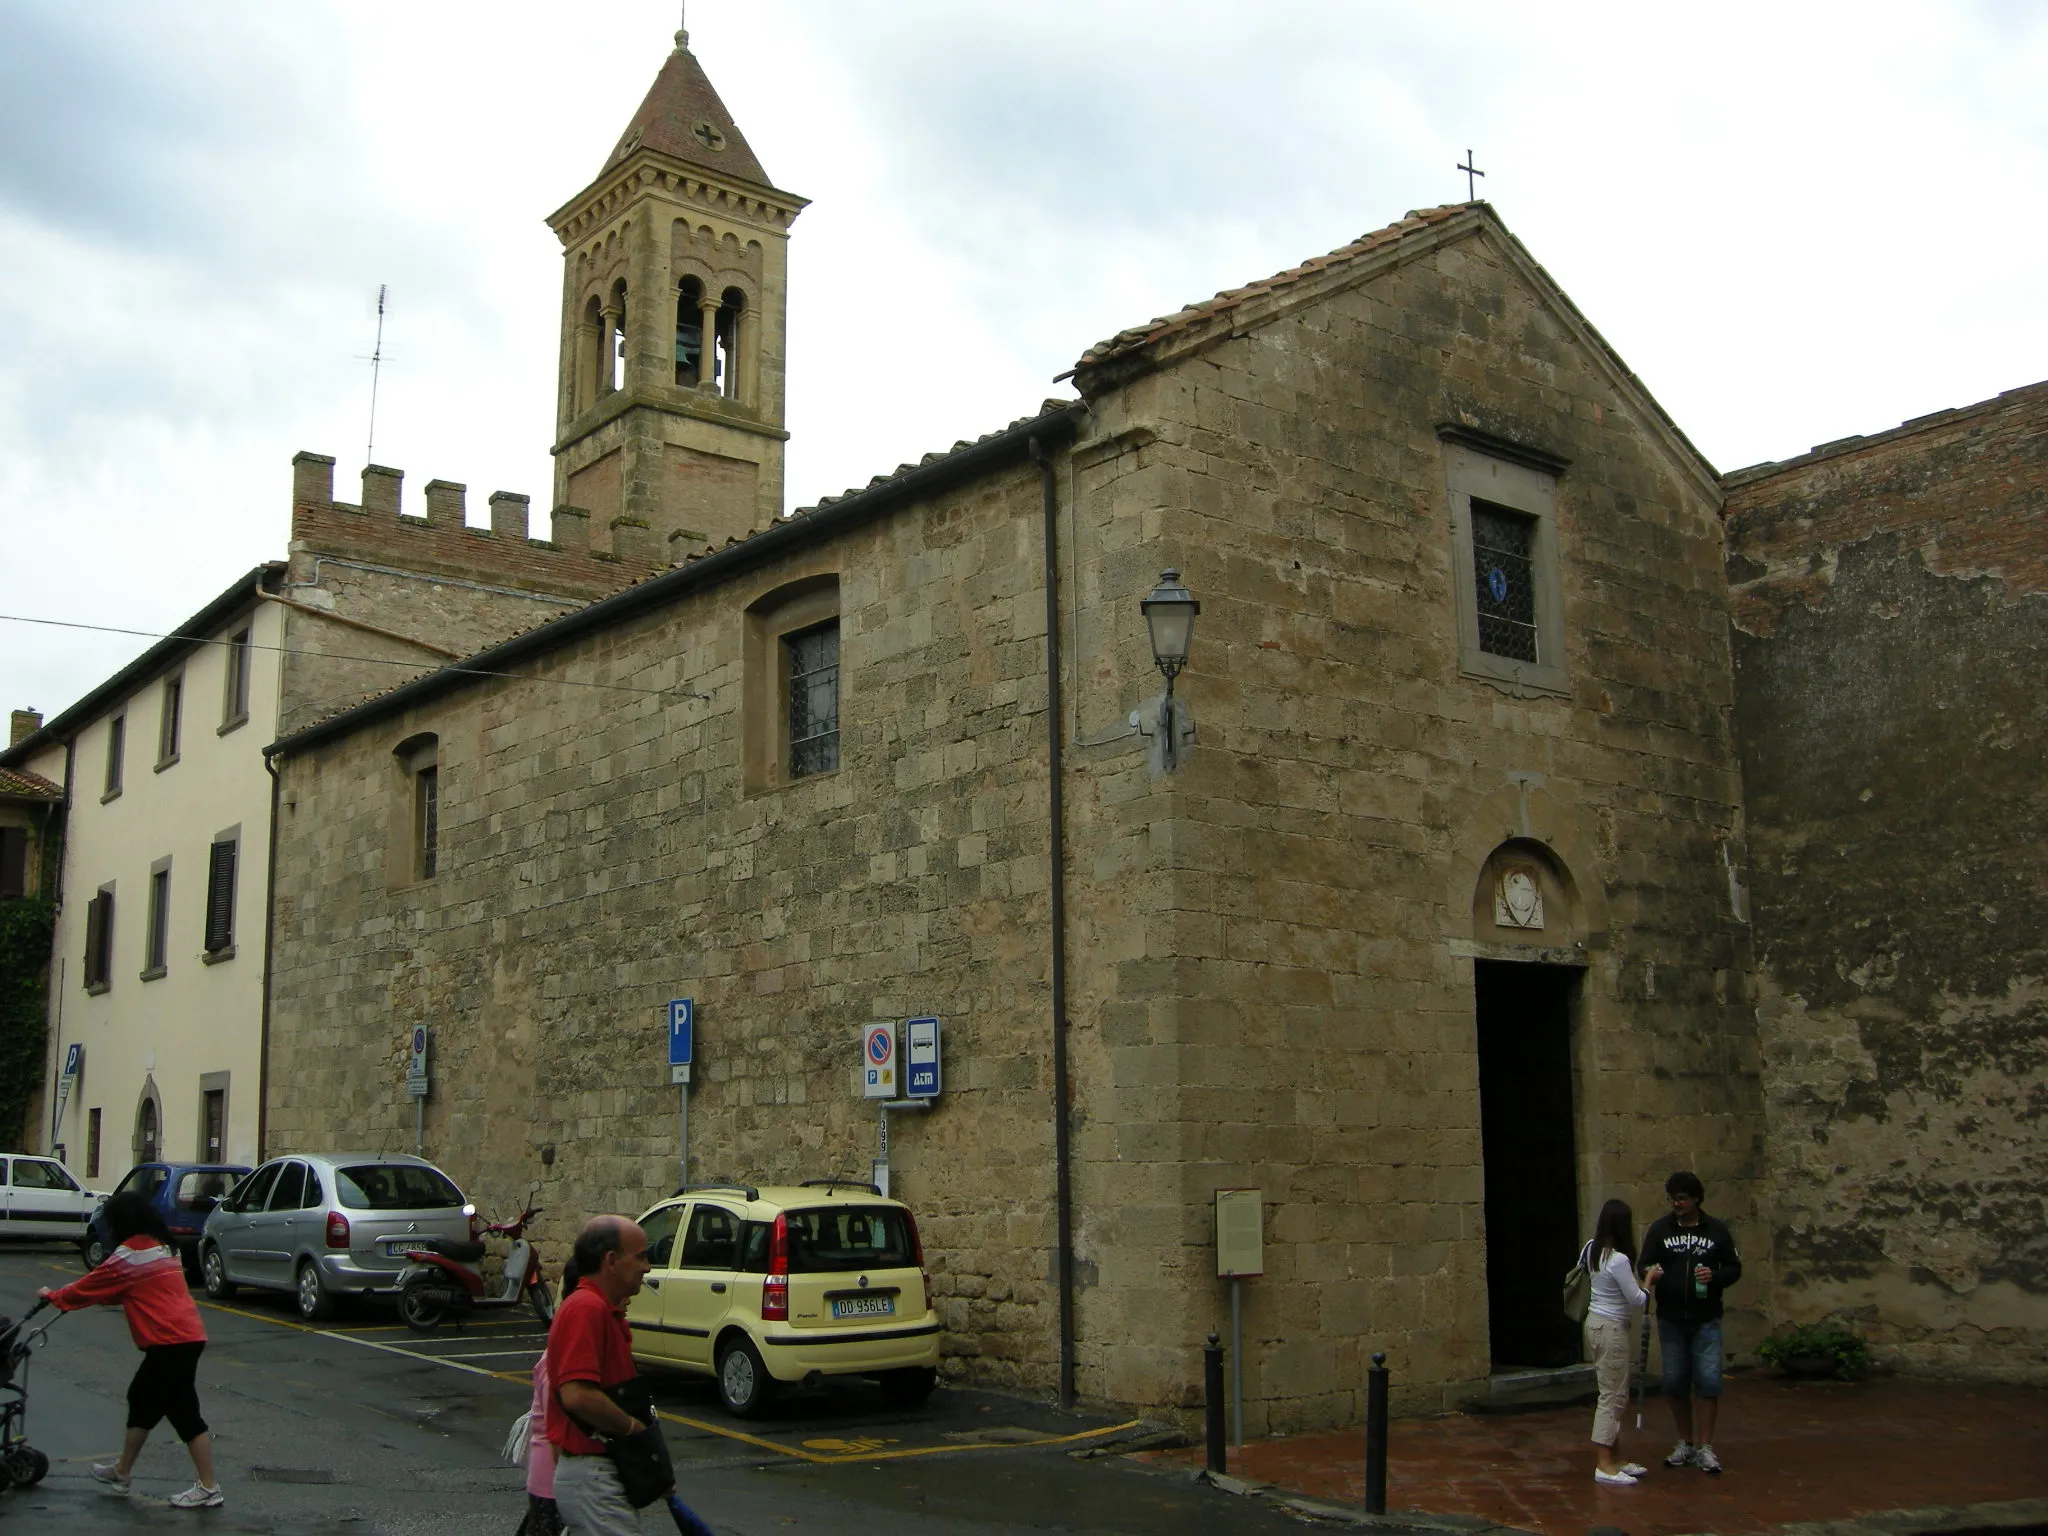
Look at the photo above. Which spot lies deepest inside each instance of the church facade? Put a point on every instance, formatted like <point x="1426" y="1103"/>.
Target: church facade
<point x="1434" y="930"/>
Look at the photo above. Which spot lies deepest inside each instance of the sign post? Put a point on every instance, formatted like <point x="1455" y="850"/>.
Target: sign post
<point x="417" y="1083"/>
<point x="878" y="1081"/>
<point x="74" y="1064"/>
<point x="1239" y="1254"/>
<point x="682" y="1050"/>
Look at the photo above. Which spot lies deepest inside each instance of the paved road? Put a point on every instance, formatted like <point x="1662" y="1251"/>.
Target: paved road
<point x="363" y="1428"/>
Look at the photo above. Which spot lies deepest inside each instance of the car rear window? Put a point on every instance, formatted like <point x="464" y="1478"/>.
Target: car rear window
<point x="395" y="1187"/>
<point x="195" y="1187"/>
<point x="837" y="1237"/>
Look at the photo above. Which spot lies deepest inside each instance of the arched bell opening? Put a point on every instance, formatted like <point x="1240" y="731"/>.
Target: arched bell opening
<point x="689" y="359"/>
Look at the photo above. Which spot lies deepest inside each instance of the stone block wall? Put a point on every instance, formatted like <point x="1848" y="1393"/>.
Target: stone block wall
<point x="601" y="855"/>
<point x="1299" y="1016"/>
<point x="1891" y="602"/>
<point x="1271" y="951"/>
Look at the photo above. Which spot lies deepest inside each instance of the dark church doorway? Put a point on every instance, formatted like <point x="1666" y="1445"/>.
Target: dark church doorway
<point x="1525" y="1122"/>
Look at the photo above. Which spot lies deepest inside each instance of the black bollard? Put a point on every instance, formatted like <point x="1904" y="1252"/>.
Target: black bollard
<point x="1376" y="1437"/>
<point x="1212" y="1393"/>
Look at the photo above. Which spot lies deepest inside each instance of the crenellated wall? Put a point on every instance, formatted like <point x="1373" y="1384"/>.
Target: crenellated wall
<point x="376" y="594"/>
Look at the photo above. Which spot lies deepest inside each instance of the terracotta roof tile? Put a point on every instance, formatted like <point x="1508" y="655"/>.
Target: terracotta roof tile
<point x="1165" y="325"/>
<point x="19" y="783"/>
<point x="683" y="118"/>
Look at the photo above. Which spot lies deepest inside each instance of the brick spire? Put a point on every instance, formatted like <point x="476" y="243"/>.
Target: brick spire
<point x="683" y="118"/>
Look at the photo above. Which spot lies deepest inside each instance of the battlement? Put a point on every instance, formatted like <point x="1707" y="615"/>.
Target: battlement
<point x="378" y="531"/>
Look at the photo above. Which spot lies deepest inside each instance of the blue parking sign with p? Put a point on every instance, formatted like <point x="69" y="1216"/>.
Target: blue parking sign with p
<point x="682" y="1031"/>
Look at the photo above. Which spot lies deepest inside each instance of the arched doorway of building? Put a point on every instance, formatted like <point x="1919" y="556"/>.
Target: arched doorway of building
<point x="1526" y="985"/>
<point x="149" y="1122"/>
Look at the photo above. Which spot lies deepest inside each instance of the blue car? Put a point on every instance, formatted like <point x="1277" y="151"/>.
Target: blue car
<point x="184" y="1194"/>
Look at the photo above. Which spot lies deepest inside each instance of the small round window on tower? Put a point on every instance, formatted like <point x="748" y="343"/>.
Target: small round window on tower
<point x="704" y="133"/>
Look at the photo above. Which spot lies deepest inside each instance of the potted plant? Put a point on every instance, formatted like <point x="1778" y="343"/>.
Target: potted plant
<point x="1817" y="1350"/>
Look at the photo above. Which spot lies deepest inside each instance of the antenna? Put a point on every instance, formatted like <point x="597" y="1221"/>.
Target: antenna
<point x="376" y="368"/>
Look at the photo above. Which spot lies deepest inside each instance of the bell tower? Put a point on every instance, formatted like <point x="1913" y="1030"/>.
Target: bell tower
<point x="674" y="297"/>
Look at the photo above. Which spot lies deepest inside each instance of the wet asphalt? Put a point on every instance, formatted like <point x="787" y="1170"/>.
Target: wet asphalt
<point x="360" y="1427"/>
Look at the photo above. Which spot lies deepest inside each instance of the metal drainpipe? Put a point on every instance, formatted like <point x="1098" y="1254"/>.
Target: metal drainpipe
<point x="269" y="950"/>
<point x="1062" y="1135"/>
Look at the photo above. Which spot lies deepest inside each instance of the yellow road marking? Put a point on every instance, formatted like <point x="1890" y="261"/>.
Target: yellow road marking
<point x="818" y="1458"/>
<point x="821" y="1458"/>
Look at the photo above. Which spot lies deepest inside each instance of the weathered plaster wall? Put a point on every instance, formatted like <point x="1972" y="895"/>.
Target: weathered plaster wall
<point x="1892" y="597"/>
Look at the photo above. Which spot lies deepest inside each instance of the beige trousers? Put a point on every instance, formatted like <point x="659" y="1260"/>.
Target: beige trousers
<point x="1607" y="1343"/>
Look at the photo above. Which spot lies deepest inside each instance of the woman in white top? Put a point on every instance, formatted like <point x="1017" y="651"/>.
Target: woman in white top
<point x="1617" y="1301"/>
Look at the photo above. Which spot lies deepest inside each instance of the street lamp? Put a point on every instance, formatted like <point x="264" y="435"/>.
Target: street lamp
<point x="1170" y="617"/>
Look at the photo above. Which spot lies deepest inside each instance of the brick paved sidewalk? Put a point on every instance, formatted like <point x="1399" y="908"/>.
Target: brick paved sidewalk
<point x="1794" y="1451"/>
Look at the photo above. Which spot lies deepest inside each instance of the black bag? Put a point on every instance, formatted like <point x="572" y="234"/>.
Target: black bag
<point x="641" y="1459"/>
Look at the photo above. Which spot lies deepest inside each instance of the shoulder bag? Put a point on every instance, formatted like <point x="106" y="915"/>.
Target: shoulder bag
<point x="1578" y="1286"/>
<point x="641" y="1458"/>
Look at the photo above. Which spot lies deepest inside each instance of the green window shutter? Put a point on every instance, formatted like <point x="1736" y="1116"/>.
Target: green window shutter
<point x="220" y="898"/>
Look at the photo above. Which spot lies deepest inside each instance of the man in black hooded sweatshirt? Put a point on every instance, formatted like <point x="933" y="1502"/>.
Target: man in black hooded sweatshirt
<point x="1700" y="1261"/>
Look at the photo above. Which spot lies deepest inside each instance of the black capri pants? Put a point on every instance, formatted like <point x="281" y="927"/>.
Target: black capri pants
<point x="165" y="1388"/>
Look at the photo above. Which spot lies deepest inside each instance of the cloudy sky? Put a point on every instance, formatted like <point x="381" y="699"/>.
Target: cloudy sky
<point x="1795" y="221"/>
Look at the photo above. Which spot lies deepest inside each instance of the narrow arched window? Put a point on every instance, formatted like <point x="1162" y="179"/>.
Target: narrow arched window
<point x="689" y="332"/>
<point x="590" y="355"/>
<point x="616" y="336"/>
<point x="732" y="305"/>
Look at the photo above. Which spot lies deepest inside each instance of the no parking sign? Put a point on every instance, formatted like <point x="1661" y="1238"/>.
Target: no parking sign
<point x="878" y="1061"/>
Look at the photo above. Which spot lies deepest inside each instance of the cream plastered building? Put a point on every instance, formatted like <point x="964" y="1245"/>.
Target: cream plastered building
<point x="157" y="963"/>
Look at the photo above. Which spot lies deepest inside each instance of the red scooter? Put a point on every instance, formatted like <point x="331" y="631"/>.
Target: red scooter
<point x="443" y="1281"/>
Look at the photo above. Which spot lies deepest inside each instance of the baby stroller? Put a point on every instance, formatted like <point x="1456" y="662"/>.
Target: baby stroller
<point x="21" y="1464"/>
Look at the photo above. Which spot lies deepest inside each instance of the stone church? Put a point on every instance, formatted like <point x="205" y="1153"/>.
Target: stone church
<point x="1426" y="913"/>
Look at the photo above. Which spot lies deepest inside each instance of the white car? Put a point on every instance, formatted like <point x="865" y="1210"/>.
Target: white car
<point x="39" y="1199"/>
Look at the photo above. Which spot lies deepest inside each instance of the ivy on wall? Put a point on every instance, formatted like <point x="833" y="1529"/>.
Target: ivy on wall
<point x="25" y="929"/>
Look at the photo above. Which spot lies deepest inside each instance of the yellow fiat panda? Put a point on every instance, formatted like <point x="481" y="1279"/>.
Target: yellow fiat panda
<point x="760" y="1287"/>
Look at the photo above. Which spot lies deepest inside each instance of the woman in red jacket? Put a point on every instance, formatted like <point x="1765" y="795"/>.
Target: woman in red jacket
<point x="145" y="1275"/>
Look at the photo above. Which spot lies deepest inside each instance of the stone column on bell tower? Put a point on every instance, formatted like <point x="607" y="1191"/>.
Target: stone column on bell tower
<point x="681" y="198"/>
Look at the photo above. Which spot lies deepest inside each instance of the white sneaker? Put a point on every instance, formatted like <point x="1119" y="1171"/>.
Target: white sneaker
<point x="198" y="1496"/>
<point x="1613" y="1479"/>
<point x="1681" y="1455"/>
<point x="1704" y="1458"/>
<point x="103" y="1472"/>
<point x="1636" y="1470"/>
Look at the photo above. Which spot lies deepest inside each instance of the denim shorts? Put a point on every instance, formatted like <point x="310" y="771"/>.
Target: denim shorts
<point x="1692" y="1357"/>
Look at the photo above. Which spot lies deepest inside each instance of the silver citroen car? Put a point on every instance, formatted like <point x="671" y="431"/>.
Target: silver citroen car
<point x="325" y="1226"/>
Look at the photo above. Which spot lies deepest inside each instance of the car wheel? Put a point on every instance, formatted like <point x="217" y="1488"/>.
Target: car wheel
<point x="213" y="1271"/>
<point x="744" y="1385"/>
<point x="315" y="1305"/>
<point x="909" y="1387"/>
<point x="419" y="1308"/>
<point x="93" y="1250"/>
<point x="543" y="1301"/>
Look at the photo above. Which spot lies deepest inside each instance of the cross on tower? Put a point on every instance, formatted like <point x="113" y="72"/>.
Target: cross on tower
<point x="708" y="136"/>
<point x="1470" y="170"/>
